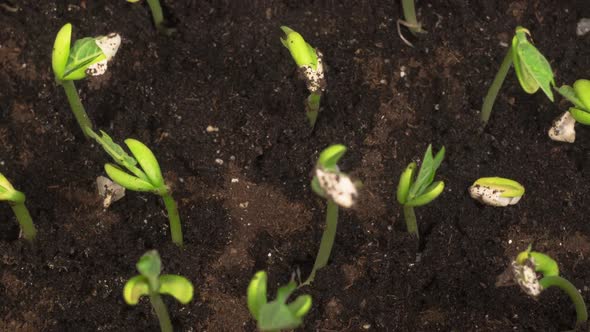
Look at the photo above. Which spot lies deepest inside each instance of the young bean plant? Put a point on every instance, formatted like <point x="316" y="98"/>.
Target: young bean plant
<point x="16" y="200"/>
<point x="534" y="272"/>
<point x="311" y="68"/>
<point x="417" y="190"/>
<point x="532" y="70"/>
<point x="146" y="178"/>
<point x="276" y="315"/>
<point x="88" y="57"/>
<point x="579" y="95"/>
<point x="149" y="282"/>
<point x="157" y="16"/>
<point x="339" y="190"/>
<point x="496" y="191"/>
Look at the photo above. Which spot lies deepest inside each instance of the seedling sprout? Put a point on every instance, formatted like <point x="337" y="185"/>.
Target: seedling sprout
<point x="147" y="177"/>
<point x="276" y="315"/>
<point x="88" y="57"/>
<point x="149" y="282"/>
<point x="157" y="16"/>
<point x="579" y="95"/>
<point x="410" y="20"/>
<point x="532" y="70"/>
<point x="496" y="191"/>
<point x="310" y="63"/>
<point x="413" y="191"/>
<point x="16" y="200"/>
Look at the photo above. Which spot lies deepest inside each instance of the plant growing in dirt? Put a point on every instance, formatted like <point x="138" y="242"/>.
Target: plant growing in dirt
<point x="496" y="191"/>
<point x="146" y="178"/>
<point x="417" y="190"/>
<point x="149" y="282"/>
<point x="579" y="95"/>
<point x="276" y="315"/>
<point x="311" y="68"/>
<point x="339" y="190"/>
<point x="410" y="21"/>
<point x="157" y="16"/>
<point x="16" y="200"/>
<point x="532" y="70"/>
<point x="534" y="272"/>
<point x="88" y="57"/>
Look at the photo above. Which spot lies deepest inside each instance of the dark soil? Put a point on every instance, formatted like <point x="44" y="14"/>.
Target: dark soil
<point x="226" y="68"/>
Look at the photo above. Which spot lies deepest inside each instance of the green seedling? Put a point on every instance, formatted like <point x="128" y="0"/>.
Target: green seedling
<point x="532" y="70"/>
<point x="157" y="16"/>
<point x="16" y="200"/>
<point x="563" y="128"/>
<point x="311" y="68"/>
<point x="339" y="190"/>
<point x="146" y="178"/>
<point x="276" y="315"/>
<point x="410" y="21"/>
<point x="496" y="191"/>
<point x="413" y="191"/>
<point x="149" y="282"/>
<point x="534" y="272"/>
<point x="88" y="57"/>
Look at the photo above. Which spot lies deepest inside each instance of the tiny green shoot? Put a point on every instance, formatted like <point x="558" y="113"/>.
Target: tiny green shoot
<point x="16" y="200"/>
<point x="149" y="282"/>
<point x="157" y="16"/>
<point x="524" y="271"/>
<point x="310" y="63"/>
<point x="339" y="190"/>
<point x="88" y="57"/>
<point x="276" y="315"/>
<point x="145" y="178"/>
<point x="417" y="190"/>
<point x="532" y="70"/>
<point x="496" y="191"/>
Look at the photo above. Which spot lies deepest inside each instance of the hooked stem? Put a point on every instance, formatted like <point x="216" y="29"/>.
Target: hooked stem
<point x="490" y="98"/>
<point x="572" y="292"/>
<point x="76" y="106"/>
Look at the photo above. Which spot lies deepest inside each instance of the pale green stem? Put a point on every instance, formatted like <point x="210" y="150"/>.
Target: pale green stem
<point x="161" y="312"/>
<point x="76" y="106"/>
<point x="410" y="16"/>
<point x="411" y="222"/>
<point x="157" y="14"/>
<point x="490" y="98"/>
<point x="174" y="217"/>
<point x="327" y="241"/>
<point x="313" y="108"/>
<point x="572" y="292"/>
<point x="24" y="219"/>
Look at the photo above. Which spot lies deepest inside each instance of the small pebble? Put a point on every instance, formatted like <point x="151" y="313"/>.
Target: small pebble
<point x="219" y="161"/>
<point x="235" y="180"/>
<point x="211" y="129"/>
<point x="583" y="26"/>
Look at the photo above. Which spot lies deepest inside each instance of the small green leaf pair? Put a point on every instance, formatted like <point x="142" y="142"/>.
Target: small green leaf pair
<point x="496" y="191"/>
<point x="579" y="95"/>
<point x="276" y="315"/>
<point x="417" y="190"/>
<point x="16" y="200"/>
<point x="151" y="283"/>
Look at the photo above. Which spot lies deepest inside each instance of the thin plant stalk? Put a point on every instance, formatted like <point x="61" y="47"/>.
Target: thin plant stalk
<point x="174" y="217"/>
<point x="411" y="222"/>
<point x="410" y="16"/>
<point x="490" y="98"/>
<point x="161" y="312"/>
<point x="327" y="241"/>
<point x="313" y="108"/>
<point x="24" y="219"/>
<point x="77" y="107"/>
<point x="572" y="292"/>
<point x="157" y="14"/>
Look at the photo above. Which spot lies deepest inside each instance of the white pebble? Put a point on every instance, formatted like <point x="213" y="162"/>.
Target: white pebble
<point x="219" y="161"/>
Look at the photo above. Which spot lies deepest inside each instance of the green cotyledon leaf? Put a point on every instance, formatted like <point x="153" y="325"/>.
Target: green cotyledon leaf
<point x="177" y="286"/>
<point x="301" y="51"/>
<point x="508" y="187"/>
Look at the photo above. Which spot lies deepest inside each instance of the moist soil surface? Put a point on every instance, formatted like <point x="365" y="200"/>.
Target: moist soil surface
<point x="243" y="186"/>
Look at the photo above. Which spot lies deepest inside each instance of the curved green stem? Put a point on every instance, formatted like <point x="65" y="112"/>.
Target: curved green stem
<point x="411" y="222"/>
<point x="327" y="241"/>
<point x="410" y="17"/>
<point x="76" y="106"/>
<point x="157" y="14"/>
<point x="161" y="312"/>
<point x="24" y="219"/>
<point x="313" y="108"/>
<point x="174" y="217"/>
<point x="490" y="98"/>
<point x="572" y="292"/>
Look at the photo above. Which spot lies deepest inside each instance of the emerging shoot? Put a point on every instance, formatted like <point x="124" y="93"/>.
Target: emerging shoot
<point x="276" y="315"/>
<point x="311" y="68"/>
<point x="534" y="272"/>
<point x="339" y="190"/>
<point x="496" y="191"/>
<point x="417" y="190"/>
<point x="147" y="177"/>
<point x="532" y="70"/>
<point x="149" y="282"/>
<point x="579" y="95"/>
<point x="88" y="57"/>
<point x="16" y="200"/>
<point x="410" y="20"/>
<point x="157" y="16"/>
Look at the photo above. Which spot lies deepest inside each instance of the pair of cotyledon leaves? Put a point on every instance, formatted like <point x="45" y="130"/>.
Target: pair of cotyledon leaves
<point x="417" y="190"/>
<point x="579" y="95"/>
<point x="276" y="315"/>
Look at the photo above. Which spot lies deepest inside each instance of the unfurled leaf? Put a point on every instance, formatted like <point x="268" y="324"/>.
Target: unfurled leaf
<point x="570" y="94"/>
<point x="84" y="53"/>
<point x="114" y="150"/>
<point x="135" y="288"/>
<point x="178" y="287"/>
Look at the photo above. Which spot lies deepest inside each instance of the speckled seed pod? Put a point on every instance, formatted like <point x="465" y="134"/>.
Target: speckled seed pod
<point x="526" y="277"/>
<point x="314" y="79"/>
<point x="338" y="187"/>
<point x="491" y="196"/>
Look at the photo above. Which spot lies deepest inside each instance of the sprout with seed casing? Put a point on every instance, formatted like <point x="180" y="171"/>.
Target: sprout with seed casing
<point x="276" y="315"/>
<point x="148" y="178"/>
<point x="310" y="63"/>
<point x="88" y="57"/>
<point x="417" y="190"/>
<point x="496" y="191"/>
<point x="16" y="200"/>
<point x="149" y="282"/>
<point x="563" y="128"/>
<point x="532" y="70"/>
